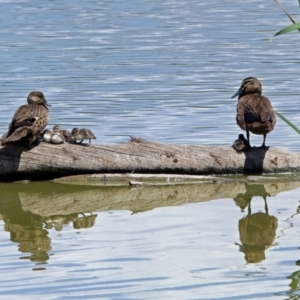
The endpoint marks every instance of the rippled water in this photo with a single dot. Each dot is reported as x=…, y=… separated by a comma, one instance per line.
x=162, y=70
x=64, y=241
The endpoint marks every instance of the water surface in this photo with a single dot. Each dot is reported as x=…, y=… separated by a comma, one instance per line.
x=205, y=241
x=164, y=71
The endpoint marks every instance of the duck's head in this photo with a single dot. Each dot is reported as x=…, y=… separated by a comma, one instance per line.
x=56, y=128
x=250, y=85
x=75, y=131
x=37, y=97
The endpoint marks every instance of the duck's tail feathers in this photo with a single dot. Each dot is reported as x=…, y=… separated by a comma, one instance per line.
x=15, y=136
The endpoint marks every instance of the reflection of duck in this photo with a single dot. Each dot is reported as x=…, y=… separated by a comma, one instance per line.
x=26, y=229
x=258, y=230
x=28, y=121
x=84, y=222
x=82, y=134
x=241, y=143
x=58, y=221
x=254, y=112
x=243, y=199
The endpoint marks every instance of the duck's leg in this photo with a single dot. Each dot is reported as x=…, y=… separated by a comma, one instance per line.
x=248, y=138
x=263, y=144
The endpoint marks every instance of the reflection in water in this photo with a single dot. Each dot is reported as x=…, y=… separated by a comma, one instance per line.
x=26, y=229
x=58, y=221
x=31, y=210
x=84, y=222
x=29, y=230
x=295, y=284
x=258, y=230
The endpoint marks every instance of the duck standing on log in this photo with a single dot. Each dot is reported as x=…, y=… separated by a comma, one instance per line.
x=254, y=112
x=28, y=121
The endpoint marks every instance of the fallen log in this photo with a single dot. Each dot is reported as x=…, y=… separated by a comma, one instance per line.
x=48, y=161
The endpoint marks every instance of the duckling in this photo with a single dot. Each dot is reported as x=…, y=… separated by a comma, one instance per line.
x=57, y=138
x=82, y=134
x=56, y=129
x=68, y=137
x=52, y=137
x=241, y=143
x=28, y=121
x=46, y=135
x=254, y=111
x=88, y=134
x=65, y=133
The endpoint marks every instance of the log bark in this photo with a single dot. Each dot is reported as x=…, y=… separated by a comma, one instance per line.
x=48, y=161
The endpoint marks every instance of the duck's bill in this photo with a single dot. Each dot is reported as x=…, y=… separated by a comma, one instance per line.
x=47, y=104
x=237, y=93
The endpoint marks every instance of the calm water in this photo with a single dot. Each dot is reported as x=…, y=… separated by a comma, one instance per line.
x=151, y=243
x=164, y=71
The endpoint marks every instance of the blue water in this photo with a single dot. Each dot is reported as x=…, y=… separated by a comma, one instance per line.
x=164, y=71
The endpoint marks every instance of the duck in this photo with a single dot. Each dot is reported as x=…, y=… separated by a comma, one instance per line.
x=28, y=121
x=241, y=143
x=254, y=111
x=82, y=134
x=65, y=133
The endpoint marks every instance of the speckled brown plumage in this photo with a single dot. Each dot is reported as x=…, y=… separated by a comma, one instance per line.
x=254, y=112
x=28, y=121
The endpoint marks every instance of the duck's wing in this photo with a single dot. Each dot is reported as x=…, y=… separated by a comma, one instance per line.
x=27, y=120
x=91, y=134
x=266, y=114
x=25, y=115
x=255, y=108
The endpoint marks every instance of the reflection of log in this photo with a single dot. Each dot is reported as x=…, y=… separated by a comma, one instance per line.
x=64, y=199
x=50, y=161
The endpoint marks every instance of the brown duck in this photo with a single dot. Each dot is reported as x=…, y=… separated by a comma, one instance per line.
x=254, y=111
x=28, y=121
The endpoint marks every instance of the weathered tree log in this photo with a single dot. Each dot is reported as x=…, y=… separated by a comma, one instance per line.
x=47, y=161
